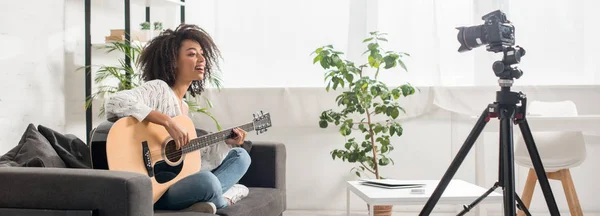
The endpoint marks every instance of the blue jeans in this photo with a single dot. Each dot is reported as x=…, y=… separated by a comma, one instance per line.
x=206, y=186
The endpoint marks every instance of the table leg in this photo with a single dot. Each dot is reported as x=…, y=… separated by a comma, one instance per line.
x=371, y=210
x=347, y=201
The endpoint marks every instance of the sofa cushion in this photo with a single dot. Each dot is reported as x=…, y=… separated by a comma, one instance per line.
x=33, y=150
x=260, y=201
x=73, y=151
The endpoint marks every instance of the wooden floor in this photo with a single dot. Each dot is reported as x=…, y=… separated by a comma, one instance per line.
x=343, y=213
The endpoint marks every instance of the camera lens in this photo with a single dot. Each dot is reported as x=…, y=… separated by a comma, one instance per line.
x=470, y=37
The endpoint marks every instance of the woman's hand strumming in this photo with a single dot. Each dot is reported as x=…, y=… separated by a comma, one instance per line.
x=178, y=133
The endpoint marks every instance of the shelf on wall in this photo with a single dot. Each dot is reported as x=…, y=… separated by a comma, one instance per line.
x=159, y=3
x=99, y=45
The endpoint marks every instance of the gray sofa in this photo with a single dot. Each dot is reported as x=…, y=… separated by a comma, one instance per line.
x=50, y=191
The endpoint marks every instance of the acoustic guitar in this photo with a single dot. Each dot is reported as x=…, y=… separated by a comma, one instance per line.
x=147, y=148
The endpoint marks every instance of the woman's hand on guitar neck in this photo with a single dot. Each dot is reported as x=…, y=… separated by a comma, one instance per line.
x=178, y=133
x=240, y=136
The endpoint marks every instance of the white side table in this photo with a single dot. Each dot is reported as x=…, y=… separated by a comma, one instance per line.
x=458, y=192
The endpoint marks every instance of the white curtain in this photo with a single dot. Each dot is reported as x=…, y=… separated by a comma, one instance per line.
x=267, y=43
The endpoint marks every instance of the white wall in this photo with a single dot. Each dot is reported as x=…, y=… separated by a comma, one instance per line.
x=32, y=58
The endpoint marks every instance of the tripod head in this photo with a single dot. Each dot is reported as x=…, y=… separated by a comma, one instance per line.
x=504, y=69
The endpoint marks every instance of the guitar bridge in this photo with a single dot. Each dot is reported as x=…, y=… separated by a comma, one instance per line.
x=147, y=158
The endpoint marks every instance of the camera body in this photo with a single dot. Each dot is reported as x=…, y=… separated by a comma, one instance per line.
x=496, y=31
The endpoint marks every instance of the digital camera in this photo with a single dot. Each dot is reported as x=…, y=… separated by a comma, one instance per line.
x=496, y=31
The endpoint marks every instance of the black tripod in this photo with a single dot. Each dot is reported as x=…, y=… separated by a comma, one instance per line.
x=506, y=109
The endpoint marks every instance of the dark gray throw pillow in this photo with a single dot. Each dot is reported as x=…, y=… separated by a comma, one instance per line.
x=33, y=150
x=73, y=151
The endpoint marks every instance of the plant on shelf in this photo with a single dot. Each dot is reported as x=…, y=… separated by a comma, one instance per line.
x=145, y=25
x=127, y=77
x=364, y=99
x=158, y=26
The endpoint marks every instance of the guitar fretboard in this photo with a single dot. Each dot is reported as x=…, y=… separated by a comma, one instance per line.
x=213, y=138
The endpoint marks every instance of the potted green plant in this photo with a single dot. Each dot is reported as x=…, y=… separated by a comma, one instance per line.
x=158, y=26
x=364, y=98
x=144, y=33
x=127, y=77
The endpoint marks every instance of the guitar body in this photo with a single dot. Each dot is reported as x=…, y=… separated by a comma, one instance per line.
x=147, y=148
x=125, y=151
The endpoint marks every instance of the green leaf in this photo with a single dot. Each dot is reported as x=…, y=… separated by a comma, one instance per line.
x=362, y=128
x=208, y=102
x=357, y=173
x=402, y=64
x=384, y=161
x=407, y=90
x=384, y=149
x=392, y=130
x=372, y=61
x=396, y=93
x=317, y=58
x=368, y=39
x=378, y=129
x=348, y=145
x=373, y=47
x=401, y=108
x=325, y=62
x=390, y=62
x=364, y=85
x=395, y=113
x=335, y=60
x=318, y=51
x=352, y=158
x=323, y=124
x=399, y=130
x=368, y=149
x=349, y=77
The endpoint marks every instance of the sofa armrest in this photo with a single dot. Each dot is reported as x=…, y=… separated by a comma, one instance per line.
x=267, y=168
x=106, y=192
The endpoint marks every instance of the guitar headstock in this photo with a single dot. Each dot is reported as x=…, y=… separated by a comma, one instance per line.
x=261, y=121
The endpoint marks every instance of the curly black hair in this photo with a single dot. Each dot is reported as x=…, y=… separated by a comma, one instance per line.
x=159, y=57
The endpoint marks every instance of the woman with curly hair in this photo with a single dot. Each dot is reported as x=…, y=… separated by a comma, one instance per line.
x=174, y=63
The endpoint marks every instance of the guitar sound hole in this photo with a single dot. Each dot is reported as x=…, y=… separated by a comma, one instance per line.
x=171, y=152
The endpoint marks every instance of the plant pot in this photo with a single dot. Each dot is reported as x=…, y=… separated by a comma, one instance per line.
x=381, y=210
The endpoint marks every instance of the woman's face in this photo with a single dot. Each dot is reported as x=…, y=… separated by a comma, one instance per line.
x=190, y=61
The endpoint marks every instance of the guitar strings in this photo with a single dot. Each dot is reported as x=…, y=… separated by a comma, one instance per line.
x=200, y=144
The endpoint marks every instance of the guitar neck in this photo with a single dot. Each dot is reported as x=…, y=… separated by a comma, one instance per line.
x=213, y=138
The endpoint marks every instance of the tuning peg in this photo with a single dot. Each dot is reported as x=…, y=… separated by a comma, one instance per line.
x=261, y=113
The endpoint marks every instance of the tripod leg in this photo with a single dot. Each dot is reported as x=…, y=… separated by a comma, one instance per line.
x=468, y=208
x=460, y=156
x=522, y=205
x=506, y=140
x=538, y=167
